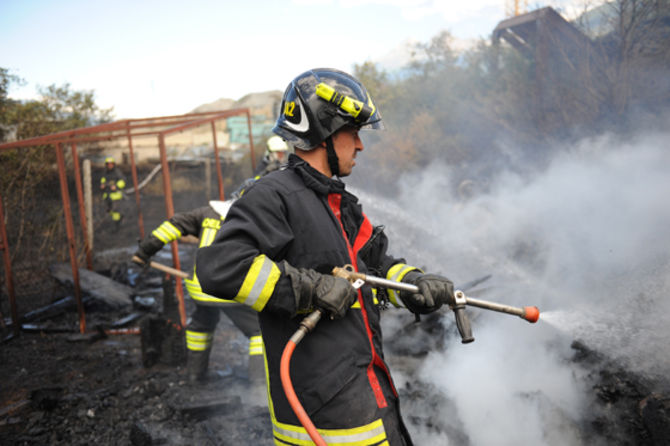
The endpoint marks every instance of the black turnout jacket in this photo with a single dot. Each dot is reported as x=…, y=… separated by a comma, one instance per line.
x=302, y=217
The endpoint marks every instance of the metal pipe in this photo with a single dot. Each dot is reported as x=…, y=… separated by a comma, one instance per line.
x=251, y=143
x=69, y=227
x=531, y=314
x=169, y=210
x=217, y=161
x=133, y=169
x=82, y=210
x=159, y=266
x=4, y=245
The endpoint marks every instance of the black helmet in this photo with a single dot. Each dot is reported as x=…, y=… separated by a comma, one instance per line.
x=321, y=101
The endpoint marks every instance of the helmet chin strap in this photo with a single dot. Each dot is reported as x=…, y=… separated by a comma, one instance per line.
x=333, y=162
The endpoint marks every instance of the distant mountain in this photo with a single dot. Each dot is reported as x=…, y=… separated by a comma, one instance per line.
x=263, y=103
x=219, y=104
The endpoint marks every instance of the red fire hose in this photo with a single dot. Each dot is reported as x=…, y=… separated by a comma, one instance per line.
x=531, y=314
x=306, y=326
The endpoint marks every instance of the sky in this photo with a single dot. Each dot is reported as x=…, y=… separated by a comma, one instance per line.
x=155, y=58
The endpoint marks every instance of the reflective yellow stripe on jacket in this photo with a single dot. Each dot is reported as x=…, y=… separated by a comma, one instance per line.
x=210, y=226
x=166, y=232
x=207, y=236
x=195, y=291
x=259, y=283
x=368, y=435
x=396, y=273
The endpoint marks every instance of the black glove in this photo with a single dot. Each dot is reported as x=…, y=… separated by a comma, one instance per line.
x=147, y=248
x=332, y=294
x=141, y=257
x=434, y=291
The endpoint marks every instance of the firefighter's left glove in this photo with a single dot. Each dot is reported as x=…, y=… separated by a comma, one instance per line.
x=434, y=291
x=141, y=257
x=147, y=248
x=311, y=289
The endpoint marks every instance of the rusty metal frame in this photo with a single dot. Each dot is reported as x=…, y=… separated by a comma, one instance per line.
x=157, y=126
x=4, y=246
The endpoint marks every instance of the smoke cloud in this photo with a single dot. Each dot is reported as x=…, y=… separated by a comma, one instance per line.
x=586, y=239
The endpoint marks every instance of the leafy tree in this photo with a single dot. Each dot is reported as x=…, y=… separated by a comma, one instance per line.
x=58, y=109
x=6, y=104
x=493, y=105
x=28, y=175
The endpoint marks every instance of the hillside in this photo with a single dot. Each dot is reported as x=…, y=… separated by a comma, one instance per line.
x=262, y=103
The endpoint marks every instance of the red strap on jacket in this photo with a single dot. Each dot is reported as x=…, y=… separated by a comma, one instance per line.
x=364, y=234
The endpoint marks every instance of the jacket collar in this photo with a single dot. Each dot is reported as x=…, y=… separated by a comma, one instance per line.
x=314, y=179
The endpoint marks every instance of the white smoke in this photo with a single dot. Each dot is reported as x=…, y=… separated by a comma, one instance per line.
x=587, y=240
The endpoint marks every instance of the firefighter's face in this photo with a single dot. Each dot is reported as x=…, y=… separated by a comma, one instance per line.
x=347, y=144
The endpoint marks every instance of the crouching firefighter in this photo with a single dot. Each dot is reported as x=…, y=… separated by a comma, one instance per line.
x=204, y=222
x=275, y=253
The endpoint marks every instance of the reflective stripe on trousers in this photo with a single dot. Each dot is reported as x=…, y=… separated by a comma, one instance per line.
x=198, y=341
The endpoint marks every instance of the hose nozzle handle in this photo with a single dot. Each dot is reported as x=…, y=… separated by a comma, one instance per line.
x=462, y=321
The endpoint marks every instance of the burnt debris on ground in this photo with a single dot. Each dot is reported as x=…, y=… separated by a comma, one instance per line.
x=125, y=382
x=109, y=387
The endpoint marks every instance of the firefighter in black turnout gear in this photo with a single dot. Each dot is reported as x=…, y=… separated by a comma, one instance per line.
x=112, y=184
x=274, y=159
x=203, y=223
x=275, y=253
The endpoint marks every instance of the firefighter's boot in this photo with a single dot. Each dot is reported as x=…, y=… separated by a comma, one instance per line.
x=197, y=364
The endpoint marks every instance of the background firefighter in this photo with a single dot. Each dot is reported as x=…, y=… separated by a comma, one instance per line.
x=275, y=252
x=274, y=158
x=112, y=184
x=203, y=223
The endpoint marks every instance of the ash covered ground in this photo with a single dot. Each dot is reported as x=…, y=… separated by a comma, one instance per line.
x=65, y=388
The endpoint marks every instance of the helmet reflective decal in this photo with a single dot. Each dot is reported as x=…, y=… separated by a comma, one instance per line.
x=291, y=109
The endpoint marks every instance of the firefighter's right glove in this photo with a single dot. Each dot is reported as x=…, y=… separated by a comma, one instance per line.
x=434, y=291
x=311, y=289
